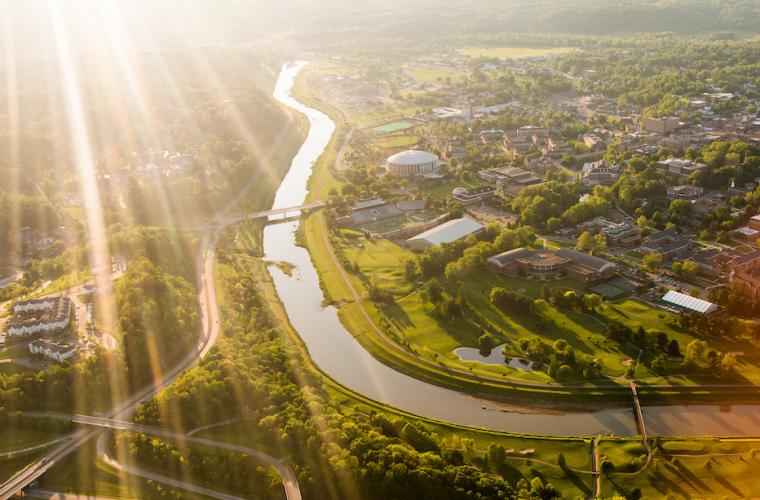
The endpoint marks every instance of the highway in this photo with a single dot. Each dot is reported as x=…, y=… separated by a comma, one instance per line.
x=289, y=481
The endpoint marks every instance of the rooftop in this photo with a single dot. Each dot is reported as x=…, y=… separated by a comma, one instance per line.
x=688, y=302
x=447, y=232
x=412, y=157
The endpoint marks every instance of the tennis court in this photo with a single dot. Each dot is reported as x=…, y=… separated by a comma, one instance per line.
x=614, y=289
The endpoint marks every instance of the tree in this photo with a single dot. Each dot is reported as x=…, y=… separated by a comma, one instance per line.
x=607, y=467
x=584, y=243
x=593, y=301
x=600, y=241
x=674, y=351
x=653, y=260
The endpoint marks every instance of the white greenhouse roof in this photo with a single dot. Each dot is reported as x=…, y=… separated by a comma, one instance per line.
x=689, y=302
x=447, y=232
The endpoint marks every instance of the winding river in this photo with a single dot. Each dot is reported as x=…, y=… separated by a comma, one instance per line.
x=339, y=355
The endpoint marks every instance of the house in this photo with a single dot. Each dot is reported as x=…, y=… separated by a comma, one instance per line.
x=447, y=232
x=684, y=192
x=618, y=234
x=533, y=132
x=491, y=135
x=599, y=173
x=668, y=243
x=56, y=351
x=547, y=264
x=689, y=303
x=679, y=167
x=594, y=142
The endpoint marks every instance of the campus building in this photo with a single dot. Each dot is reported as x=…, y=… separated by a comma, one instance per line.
x=661, y=125
x=669, y=243
x=412, y=162
x=47, y=315
x=547, y=264
x=679, y=167
x=688, y=303
x=725, y=261
x=618, y=234
x=447, y=232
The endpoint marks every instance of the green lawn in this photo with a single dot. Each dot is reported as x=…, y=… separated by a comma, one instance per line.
x=513, y=52
x=694, y=473
x=395, y=142
x=433, y=74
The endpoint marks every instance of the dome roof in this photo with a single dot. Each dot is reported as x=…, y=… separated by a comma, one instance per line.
x=412, y=157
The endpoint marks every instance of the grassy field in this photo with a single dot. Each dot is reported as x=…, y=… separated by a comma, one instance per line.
x=433, y=74
x=513, y=52
x=700, y=468
x=395, y=142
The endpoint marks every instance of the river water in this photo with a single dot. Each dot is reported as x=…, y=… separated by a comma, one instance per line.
x=339, y=355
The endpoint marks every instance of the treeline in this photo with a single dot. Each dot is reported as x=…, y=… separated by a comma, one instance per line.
x=255, y=373
x=158, y=320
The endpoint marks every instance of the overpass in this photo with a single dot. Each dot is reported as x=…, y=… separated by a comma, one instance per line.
x=289, y=481
x=285, y=211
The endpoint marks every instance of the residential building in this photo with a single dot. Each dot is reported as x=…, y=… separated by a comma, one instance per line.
x=447, y=232
x=517, y=144
x=547, y=264
x=56, y=351
x=594, y=142
x=668, y=243
x=540, y=165
x=661, y=125
x=684, y=192
x=555, y=148
x=47, y=315
x=533, y=132
x=599, y=173
x=491, y=135
x=618, y=234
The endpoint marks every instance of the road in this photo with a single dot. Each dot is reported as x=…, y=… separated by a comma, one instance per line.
x=210, y=333
x=289, y=481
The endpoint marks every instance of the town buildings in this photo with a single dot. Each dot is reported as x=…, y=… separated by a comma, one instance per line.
x=724, y=262
x=684, y=192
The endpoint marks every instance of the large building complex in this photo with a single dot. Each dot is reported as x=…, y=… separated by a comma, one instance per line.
x=661, y=125
x=47, y=315
x=679, y=167
x=599, y=173
x=412, y=162
x=547, y=264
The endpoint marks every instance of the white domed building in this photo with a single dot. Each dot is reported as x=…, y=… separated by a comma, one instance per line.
x=412, y=162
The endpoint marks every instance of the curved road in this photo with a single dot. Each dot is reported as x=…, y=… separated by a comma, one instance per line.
x=289, y=481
